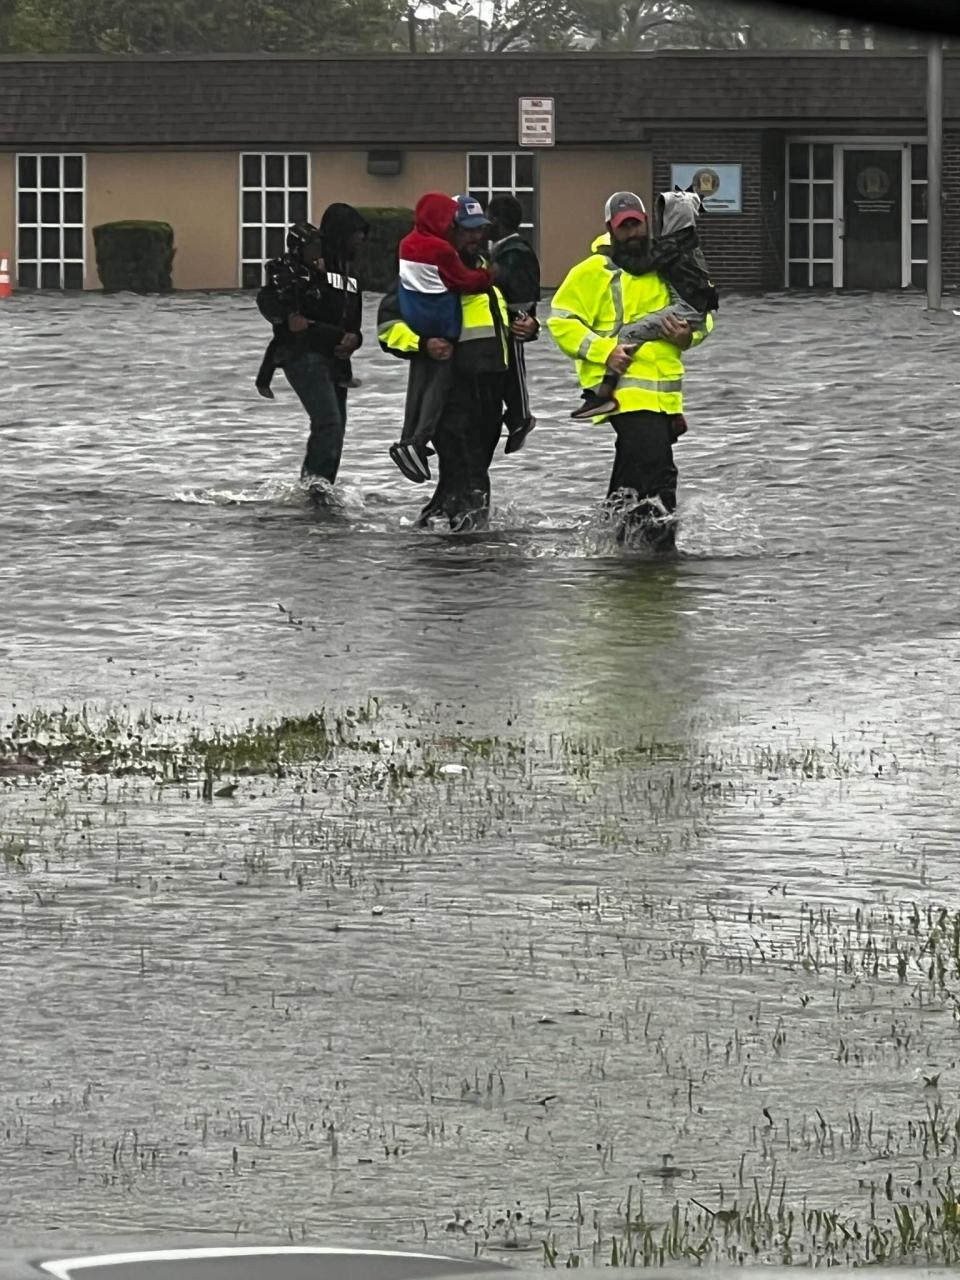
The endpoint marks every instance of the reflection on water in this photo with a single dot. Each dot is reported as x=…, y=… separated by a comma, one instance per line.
x=683, y=876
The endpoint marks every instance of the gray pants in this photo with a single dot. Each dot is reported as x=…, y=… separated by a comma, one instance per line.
x=429, y=383
x=649, y=328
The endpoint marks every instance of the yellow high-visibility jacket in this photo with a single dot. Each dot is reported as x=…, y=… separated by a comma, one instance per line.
x=589, y=309
x=472, y=353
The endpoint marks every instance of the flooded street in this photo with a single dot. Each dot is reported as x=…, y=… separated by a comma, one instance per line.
x=613, y=888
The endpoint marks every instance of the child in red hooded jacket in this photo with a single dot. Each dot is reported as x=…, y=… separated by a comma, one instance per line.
x=432, y=280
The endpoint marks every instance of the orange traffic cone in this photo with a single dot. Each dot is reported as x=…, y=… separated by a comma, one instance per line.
x=6, y=288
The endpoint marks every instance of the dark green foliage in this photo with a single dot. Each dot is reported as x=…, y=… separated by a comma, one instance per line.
x=377, y=259
x=136, y=256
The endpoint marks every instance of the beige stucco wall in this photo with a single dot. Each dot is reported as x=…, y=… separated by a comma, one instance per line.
x=574, y=186
x=342, y=175
x=196, y=192
x=8, y=210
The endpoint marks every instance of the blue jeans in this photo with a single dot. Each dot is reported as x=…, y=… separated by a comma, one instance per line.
x=312, y=378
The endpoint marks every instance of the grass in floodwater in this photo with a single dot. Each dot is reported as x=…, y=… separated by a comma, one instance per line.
x=357, y=971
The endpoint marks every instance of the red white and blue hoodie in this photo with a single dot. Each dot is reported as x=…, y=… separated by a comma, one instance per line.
x=432, y=275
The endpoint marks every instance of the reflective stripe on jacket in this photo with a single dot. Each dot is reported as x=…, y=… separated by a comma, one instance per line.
x=397, y=338
x=589, y=309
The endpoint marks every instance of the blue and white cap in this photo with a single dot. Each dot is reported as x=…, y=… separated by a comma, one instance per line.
x=470, y=213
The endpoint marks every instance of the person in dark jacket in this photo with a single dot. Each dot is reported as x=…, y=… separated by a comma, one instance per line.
x=518, y=278
x=316, y=316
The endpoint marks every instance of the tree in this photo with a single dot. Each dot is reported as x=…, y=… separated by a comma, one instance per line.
x=197, y=26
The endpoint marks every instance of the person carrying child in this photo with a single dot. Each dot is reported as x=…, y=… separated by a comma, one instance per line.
x=314, y=304
x=677, y=258
x=433, y=279
x=615, y=288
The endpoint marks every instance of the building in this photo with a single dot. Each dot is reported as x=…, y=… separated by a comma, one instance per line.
x=816, y=162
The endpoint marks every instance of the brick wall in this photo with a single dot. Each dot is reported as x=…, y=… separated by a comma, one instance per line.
x=744, y=250
x=951, y=210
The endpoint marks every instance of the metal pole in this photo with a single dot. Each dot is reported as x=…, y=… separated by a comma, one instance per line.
x=934, y=173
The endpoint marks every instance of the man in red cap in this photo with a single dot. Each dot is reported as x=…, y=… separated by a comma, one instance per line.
x=615, y=287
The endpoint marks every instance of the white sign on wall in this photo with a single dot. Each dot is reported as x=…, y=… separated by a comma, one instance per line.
x=536, y=123
x=719, y=186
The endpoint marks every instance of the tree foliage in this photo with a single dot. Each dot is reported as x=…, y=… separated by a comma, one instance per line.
x=198, y=26
x=445, y=26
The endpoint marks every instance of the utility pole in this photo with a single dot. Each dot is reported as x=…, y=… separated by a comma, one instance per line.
x=934, y=173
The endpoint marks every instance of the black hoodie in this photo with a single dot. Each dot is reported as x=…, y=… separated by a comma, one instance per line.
x=329, y=299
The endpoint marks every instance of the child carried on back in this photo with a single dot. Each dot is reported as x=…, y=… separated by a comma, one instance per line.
x=677, y=258
x=433, y=279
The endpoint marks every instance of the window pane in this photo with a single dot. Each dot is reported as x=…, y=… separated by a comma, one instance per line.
x=50, y=207
x=918, y=200
x=27, y=171
x=823, y=200
x=823, y=240
x=275, y=171
x=524, y=171
x=252, y=208
x=799, y=275
x=28, y=206
x=28, y=242
x=482, y=196
x=799, y=240
x=252, y=276
x=276, y=237
x=297, y=171
x=297, y=206
x=823, y=161
x=823, y=275
x=275, y=211
x=526, y=204
x=50, y=242
x=918, y=240
x=918, y=161
x=50, y=275
x=502, y=171
x=799, y=200
x=251, y=246
x=918, y=275
x=49, y=171
x=251, y=171
x=73, y=171
x=73, y=275
x=72, y=242
x=27, y=275
x=799, y=160
x=73, y=206
x=477, y=175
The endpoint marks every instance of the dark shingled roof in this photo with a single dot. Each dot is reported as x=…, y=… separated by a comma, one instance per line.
x=408, y=101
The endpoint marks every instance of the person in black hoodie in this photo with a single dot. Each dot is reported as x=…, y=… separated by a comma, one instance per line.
x=314, y=305
x=518, y=279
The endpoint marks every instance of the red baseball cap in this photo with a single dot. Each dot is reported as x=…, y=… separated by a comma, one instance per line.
x=622, y=206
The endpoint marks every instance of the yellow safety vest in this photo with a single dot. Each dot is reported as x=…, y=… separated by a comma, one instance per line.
x=589, y=309
x=396, y=335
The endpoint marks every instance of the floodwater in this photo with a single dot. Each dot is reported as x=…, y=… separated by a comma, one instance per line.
x=663, y=928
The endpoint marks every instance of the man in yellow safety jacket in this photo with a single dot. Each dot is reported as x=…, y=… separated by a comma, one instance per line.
x=615, y=287
x=472, y=421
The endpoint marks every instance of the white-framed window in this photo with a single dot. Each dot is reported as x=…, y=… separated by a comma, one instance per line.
x=918, y=215
x=50, y=221
x=810, y=215
x=274, y=192
x=496, y=173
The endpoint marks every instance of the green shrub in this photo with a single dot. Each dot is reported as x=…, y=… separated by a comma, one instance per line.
x=137, y=256
x=377, y=260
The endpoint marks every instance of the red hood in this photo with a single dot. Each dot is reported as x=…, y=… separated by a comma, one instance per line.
x=434, y=213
